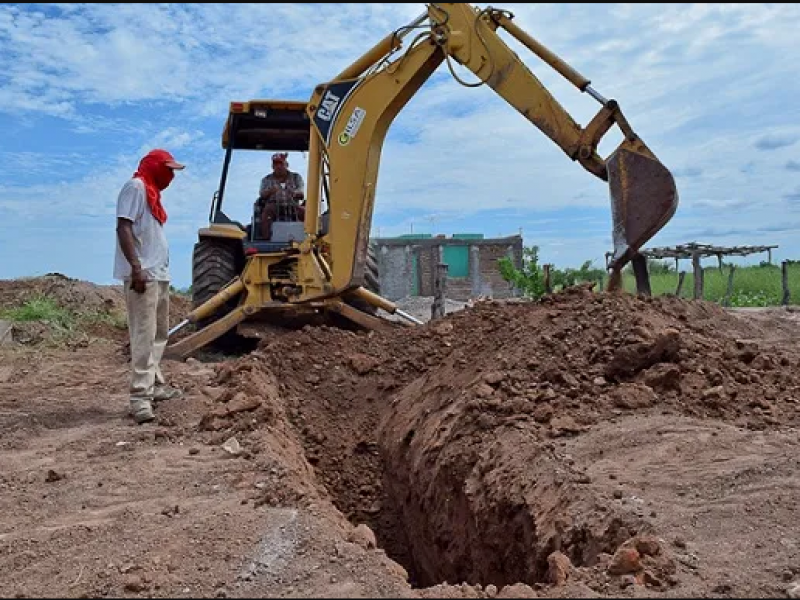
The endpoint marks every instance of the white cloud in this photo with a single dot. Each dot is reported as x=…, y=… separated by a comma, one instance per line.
x=709, y=87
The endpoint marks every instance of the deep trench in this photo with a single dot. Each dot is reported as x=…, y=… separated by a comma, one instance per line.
x=503, y=546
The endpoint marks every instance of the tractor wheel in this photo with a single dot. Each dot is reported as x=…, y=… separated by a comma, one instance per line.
x=372, y=282
x=214, y=265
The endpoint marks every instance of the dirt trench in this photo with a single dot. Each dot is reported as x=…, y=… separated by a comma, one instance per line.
x=450, y=441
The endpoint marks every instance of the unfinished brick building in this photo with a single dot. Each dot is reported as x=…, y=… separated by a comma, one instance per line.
x=407, y=265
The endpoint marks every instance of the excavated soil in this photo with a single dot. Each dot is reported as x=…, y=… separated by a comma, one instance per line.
x=449, y=441
x=589, y=445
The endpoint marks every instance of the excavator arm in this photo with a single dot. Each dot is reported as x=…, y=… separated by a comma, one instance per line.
x=351, y=115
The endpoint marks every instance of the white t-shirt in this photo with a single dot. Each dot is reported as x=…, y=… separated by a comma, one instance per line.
x=151, y=242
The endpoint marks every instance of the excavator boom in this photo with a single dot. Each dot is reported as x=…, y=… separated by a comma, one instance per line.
x=352, y=114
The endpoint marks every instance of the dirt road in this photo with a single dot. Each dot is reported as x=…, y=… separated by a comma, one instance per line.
x=586, y=446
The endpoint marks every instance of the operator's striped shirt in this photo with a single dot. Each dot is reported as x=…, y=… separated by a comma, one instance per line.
x=294, y=183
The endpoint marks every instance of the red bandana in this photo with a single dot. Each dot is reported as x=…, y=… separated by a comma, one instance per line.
x=156, y=170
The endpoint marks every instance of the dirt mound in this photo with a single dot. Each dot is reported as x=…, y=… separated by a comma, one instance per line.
x=87, y=309
x=447, y=439
x=71, y=294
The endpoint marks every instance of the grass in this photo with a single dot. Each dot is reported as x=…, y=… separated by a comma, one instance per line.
x=42, y=309
x=755, y=286
x=63, y=322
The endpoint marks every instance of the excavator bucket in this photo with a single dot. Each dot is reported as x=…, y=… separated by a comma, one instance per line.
x=643, y=199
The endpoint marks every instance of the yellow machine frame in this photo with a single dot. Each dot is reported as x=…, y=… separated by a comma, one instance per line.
x=349, y=118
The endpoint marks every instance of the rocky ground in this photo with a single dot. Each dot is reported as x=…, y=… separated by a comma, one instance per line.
x=589, y=445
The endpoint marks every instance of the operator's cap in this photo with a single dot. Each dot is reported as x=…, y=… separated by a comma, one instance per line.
x=280, y=157
x=167, y=159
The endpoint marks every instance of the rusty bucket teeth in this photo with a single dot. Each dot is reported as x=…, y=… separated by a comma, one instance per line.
x=643, y=199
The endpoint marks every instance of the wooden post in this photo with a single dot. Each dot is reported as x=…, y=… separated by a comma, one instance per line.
x=719, y=262
x=769, y=255
x=787, y=295
x=548, y=286
x=681, y=277
x=639, y=264
x=439, y=307
x=677, y=265
x=729, y=291
x=698, y=276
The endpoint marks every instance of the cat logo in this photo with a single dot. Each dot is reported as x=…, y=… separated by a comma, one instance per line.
x=352, y=127
x=328, y=106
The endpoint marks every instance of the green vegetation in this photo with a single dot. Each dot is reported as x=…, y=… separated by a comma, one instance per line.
x=186, y=293
x=753, y=286
x=530, y=280
x=63, y=323
x=42, y=309
x=758, y=285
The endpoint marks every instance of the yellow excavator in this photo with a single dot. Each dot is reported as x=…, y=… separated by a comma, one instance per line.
x=323, y=264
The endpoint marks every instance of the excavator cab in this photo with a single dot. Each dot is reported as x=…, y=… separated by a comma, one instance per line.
x=269, y=126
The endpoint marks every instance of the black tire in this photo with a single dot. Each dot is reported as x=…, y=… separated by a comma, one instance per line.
x=215, y=264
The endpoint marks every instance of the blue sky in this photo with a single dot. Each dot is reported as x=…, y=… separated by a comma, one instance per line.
x=85, y=90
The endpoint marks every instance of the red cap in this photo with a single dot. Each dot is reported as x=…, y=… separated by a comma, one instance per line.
x=166, y=158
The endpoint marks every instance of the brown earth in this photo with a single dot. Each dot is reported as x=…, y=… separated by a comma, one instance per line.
x=589, y=445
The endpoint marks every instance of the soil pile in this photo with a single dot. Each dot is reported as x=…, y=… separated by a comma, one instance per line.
x=446, y=439
x=72, y=294
x=91, y=309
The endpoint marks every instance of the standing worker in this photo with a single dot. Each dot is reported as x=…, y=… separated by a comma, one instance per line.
x=142, y=263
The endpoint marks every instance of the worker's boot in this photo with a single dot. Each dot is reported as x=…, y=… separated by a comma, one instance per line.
x=165, y=392
x=142, y=410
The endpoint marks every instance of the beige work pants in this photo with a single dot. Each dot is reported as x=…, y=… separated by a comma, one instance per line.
x=148, y=326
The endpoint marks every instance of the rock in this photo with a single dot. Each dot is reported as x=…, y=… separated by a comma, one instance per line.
x=559, y=568
x=442, y=328
x=647, y=546
x=714, y=394
x=793, y=591
x=600, y=381
x=483, y=390
x=194, y=451
x=633, y=396
x=134, y=583
x=651, y=580
x=494, y=378
x=241, y=402
x=634, y=358
x=232, y=447
x=52, y=476
x=518, y=590
x=363, y=536
x=363, y=364
x=6, y=333
x=212, y=392
x=626, y=561
x=565, y=425
x=543, y=413
x=663, y=377
x=491, y=590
